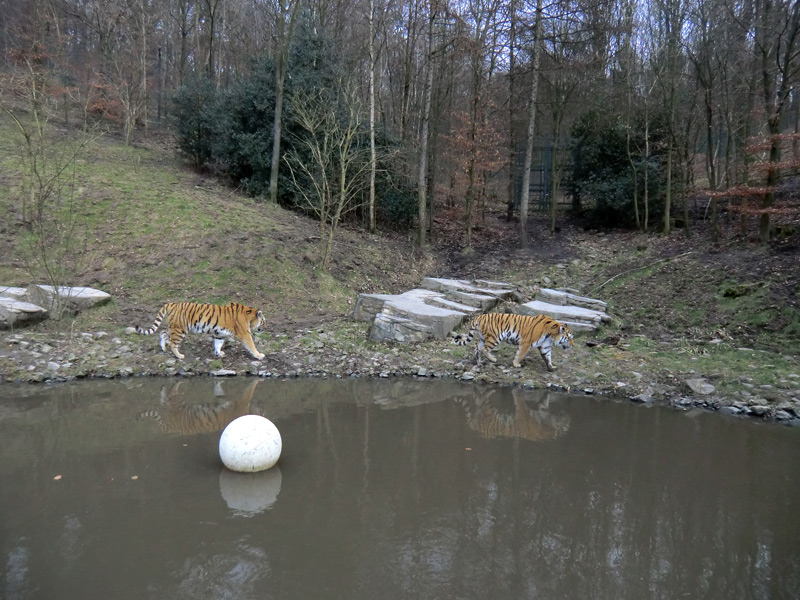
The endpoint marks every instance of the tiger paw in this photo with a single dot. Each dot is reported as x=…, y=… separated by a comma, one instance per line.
x=220, y=354
x=259, y=356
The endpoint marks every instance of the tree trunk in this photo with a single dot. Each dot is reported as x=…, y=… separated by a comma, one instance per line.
x=285, y=31
x=512, y=138
x=423, y=151
x=526, y=172
x=372, y=157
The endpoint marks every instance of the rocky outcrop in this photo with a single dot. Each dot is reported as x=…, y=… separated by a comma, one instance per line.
x=21, y=306
x=433, y=310
x=16, y=313
x=440, y=305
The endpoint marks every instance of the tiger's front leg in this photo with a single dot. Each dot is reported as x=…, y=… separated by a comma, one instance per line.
x=218, y=346
x=547, y=356
x=248, y=342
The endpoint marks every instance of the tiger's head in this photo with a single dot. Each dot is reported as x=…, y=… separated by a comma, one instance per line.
x=255, y=318
x=258, y=323
x=564, y=337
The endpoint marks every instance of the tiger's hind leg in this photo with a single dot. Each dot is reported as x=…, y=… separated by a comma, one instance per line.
x=485, y=347
x=521, y=353
x=175, y=339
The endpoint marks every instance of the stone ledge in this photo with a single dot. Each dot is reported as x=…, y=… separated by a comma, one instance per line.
x=19, y=306
x=441, y=305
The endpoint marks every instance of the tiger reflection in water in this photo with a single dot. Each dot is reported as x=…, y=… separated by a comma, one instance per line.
x=179, y=416
x=492, y=419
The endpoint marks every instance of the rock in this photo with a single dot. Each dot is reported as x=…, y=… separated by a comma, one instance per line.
x=221, y=372
x=645, y=397
x=576, y=317
x=700, y=386
x=388, y=328
x=66, y=301
x=729, y=410
x=14, y=313
x=15, y=293
x=564, y=298
x=250, y=444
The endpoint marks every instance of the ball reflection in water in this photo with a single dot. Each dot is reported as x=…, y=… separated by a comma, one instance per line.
x=248, y=494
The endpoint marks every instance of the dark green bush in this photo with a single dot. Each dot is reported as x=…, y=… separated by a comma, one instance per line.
x=196, y=116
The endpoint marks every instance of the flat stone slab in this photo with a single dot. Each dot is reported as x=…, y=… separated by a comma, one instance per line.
x=73, y=299
x=14, y=313
x=418, y=305
x=18, y=293
x=494, y=289
x=564, y=312
x=388, y=328
x=562, y=298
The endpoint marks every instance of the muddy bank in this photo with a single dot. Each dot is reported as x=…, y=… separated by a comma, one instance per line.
x=341, y=349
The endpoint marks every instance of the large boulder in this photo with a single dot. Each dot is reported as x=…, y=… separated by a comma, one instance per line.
x=388, y=328
x=15, y=313
x=65, y=301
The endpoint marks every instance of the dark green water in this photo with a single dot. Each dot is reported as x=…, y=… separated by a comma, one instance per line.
x=389, y=489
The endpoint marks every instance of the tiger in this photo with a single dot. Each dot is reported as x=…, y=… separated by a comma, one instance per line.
x=220, y=321
x=526, y=331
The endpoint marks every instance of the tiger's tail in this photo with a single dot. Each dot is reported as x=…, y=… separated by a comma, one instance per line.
x=462, y=339
x=156, y=323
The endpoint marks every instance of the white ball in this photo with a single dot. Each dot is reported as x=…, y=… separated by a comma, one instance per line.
x=250, y=443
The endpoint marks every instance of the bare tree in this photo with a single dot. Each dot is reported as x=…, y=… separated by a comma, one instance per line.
x=55, y=246
x=331, y=183
x=531, y=134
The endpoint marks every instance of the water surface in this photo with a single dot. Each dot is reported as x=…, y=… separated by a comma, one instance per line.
x=389, y=489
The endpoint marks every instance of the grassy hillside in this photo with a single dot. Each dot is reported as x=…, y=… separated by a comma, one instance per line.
x=157, y=231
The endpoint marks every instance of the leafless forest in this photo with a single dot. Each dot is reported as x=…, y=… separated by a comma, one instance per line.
x=650, y=114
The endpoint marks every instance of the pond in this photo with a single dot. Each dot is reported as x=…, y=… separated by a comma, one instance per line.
x=389, y=489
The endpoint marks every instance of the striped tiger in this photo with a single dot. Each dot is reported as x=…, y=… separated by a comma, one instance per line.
x=528, y=332
x=188, y=419
x=220, y=321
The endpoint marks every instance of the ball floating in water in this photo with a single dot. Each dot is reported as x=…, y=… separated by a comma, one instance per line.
x=250, y=443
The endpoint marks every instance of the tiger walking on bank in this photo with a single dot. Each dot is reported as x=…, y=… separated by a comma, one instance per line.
x=527, y=332
x=221, y=322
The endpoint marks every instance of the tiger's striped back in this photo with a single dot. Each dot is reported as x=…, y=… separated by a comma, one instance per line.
x=526, y=331
x=221, y=322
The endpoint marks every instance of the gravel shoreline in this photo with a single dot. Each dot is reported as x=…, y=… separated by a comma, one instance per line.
x=37, y=358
